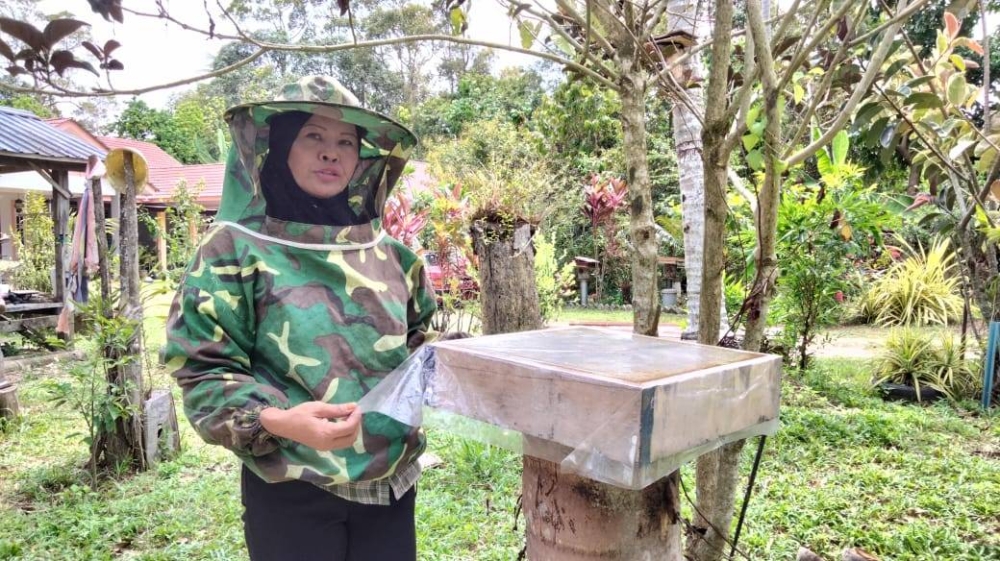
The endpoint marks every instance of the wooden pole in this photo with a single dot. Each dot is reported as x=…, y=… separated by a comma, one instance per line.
x=60, y=219
x=161, y=241
x=125, y=444
x=102, y=241
x=9, y=406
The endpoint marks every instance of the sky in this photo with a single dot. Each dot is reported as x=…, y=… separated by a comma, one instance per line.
x=156, y=51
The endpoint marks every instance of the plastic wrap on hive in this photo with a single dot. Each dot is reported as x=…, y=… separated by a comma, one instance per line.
x=616, y=407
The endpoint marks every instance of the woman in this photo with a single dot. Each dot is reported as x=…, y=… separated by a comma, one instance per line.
x=294, y=307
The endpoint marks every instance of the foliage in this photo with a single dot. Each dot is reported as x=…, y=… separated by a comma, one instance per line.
x=920, y=290
x=823, y=230
x=938, y=362
x=554, y=281
x=402, y=221
x=603, y=197
x=35, y=245
x=160, y=127
x=37, y=53
x=184, y=217
x=510, y=98
x=99, y=403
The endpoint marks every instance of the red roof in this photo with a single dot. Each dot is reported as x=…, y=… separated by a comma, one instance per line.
x=208, y=177
x=154, y=155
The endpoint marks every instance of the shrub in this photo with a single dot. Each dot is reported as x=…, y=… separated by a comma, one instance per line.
x=920, y=290
x=555, y=283
x=35, y=246
x=923, y=360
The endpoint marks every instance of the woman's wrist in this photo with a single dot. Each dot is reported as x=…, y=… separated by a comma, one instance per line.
x=270, y=419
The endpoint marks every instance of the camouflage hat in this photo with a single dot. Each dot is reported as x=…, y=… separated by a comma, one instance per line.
x=324, y=95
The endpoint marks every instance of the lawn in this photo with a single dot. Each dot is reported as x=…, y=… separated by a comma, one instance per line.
x=846, y=469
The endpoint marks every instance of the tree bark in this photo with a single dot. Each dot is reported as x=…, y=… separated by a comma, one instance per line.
x=687, y=127
x=645, y=288
x=124, y=446
x=507, y=274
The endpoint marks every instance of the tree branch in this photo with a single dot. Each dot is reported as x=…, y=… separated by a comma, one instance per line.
x=878, y=57
x=900, y=17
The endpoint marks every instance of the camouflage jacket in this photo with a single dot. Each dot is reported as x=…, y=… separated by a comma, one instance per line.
x=273, y=313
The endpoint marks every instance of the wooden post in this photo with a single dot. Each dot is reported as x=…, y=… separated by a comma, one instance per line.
x=60, y=219
x=161, y=240
x=125, y=446
x=102, y=241
x=116, y=215
x=9, y=407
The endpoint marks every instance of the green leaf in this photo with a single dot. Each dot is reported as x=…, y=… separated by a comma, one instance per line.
x=875, y=132
x=458, y=23
x=957, y=92
x=749, y=141
x=960, y=148
x=866, y=113
x=985, y=161
x=798, y=93
x=752, y=115
x=527, y=34
x=755, y=160
x=959, y=62
x=923, y=100
x=823, y=164
x=757, y=128
x=894, y=68
x=840, y=144
x=942, y=43
x=919, y=81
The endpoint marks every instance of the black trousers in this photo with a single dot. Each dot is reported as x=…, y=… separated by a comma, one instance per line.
x=297, y=521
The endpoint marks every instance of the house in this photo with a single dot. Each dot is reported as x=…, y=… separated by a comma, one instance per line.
x=31, y=149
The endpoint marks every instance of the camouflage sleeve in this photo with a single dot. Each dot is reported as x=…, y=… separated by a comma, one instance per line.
x=421, y=307
x=210, y=334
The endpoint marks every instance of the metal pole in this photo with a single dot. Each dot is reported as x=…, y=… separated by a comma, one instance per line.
x=746, y=496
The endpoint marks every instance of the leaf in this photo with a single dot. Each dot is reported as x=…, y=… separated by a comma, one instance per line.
x=749, y=141
x=886, y=137
x=923, y=100
x=15, y=70
x=871, y=138
x=344, y=6
x=823, y=164
x=757, y=128
x=94, y=50
x=919, y=81
x=846, y=233
x=114, y=64
x=839, y=146
x=960, y=148
x=798, y=93
x=110, y=46
x=894, y=68
x=59, y=29
x=942, y=43
x=951, y=25
x=866, y=113
x=957, y=92
x=527, y=35
x=958, y=62
x=458, y=21
x=985, y=162
x=995, y=190
x=24, y=32
x=63, y=60
x=6, y=51
x=752, y=114
x=755, y=160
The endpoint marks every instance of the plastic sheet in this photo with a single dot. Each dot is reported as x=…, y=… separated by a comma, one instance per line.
x=612, y=406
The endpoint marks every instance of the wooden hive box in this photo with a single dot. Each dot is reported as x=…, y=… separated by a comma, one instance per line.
x=616, y=407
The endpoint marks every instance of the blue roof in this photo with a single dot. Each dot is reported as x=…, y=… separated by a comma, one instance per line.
x=24, y=135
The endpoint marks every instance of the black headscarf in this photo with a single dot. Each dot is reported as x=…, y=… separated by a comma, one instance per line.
x=285, y=199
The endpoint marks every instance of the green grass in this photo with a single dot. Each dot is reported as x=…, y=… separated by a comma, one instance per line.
x=845, y=470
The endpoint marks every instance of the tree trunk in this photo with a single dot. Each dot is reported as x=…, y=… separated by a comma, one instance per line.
x=124, y=446
x=645, y=289
x=575, y=518
x=9, y=406
x=685, y=16
x=507, y=274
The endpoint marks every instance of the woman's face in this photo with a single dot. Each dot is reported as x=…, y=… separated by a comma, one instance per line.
x=323, y=156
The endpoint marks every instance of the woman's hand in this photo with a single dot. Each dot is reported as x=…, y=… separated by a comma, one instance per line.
x=318, y=425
